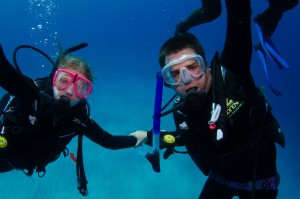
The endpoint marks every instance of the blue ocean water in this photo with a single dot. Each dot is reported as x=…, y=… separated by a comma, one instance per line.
x=124, y=38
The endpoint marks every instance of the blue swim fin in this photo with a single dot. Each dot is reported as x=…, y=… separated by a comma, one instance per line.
x=275, y=56
x=262, y=55
x=266, y=48
x=270, y=49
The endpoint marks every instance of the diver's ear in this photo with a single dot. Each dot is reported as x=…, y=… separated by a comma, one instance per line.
x=208, y=71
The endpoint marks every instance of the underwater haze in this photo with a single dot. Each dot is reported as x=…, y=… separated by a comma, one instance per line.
x=124, y=39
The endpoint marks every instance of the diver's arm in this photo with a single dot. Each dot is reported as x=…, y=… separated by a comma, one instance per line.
x=15, y=83
x=95, y=133
x=237, y=52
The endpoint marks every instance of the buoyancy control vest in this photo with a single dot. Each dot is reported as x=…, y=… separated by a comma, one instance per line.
x=242, y=102
x=31, y=139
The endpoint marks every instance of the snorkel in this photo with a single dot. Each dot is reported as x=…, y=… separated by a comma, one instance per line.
x=153, y=157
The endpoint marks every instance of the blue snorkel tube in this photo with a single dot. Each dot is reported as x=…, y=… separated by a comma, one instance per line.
x=153, y=157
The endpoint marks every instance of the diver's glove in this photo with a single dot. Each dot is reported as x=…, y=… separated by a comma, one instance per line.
x=181, y=27
x=141, y=137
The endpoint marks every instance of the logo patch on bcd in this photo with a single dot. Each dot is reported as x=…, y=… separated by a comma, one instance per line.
x=3, y=142
x=232, y=106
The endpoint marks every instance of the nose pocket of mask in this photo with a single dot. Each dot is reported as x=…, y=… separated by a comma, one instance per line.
x=185, y=75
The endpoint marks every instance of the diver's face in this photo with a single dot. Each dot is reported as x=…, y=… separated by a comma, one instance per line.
x=69, y=91
x=202, y=83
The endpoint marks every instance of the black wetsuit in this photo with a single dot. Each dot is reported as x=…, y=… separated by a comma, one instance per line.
x=244, y=152
x=30, y=139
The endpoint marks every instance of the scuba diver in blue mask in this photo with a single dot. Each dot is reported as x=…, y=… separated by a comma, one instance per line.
x=39, y=118
x=221, y=117
x=265, y=23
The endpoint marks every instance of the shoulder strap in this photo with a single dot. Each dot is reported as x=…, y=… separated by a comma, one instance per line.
x=218, y=81
x=219, y=94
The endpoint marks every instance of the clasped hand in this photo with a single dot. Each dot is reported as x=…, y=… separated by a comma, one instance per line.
x=141, y=137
